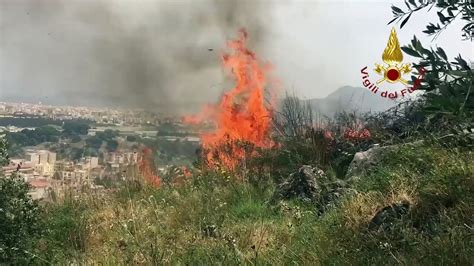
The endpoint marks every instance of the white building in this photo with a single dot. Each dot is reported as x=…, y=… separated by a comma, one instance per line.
x=40, y=188
x=43, y=161
x=123, y=158
x=33, y=158
x=90, y=162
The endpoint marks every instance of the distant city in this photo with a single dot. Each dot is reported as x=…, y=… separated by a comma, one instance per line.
x=94, y=114
x=46, y=175
x=59, y=149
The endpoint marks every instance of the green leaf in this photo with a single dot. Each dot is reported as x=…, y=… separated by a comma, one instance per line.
x=418, y=45
x=426, y=52
x=442, y=4
x=410, y=51
x=450, y=11
x=413, y=41
x=441, y=53
x=458, y=73
x=467, y=26
x=392, y=20
x=442, y=18
x=405, y=21
x=408, y=6
x=462, y=62
x=396, y=10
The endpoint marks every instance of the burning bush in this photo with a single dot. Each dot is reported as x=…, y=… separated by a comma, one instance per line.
x=147, y=168
x=356, y=135
x=242, y=119
x=244, y=123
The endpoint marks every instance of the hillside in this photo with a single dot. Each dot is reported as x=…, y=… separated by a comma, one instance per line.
x=211, y=219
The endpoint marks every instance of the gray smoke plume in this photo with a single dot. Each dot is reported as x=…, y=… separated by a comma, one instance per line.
x=159, y=55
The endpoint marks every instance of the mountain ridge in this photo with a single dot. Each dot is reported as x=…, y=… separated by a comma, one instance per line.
x=349, y=99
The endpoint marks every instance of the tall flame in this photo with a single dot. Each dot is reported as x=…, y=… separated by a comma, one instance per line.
x=392, y=53
x=242, y=118
x=147, y=170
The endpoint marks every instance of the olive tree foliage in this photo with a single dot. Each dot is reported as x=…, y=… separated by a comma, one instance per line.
x=19, y=217
x=447, y=83
x=3, y=151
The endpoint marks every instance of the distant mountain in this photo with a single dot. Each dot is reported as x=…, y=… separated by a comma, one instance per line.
x=350, y=99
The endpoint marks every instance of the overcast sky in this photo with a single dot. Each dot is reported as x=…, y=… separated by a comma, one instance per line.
x=328, y=42
x=155, y=53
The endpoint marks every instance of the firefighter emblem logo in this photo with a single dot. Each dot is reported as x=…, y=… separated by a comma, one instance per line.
x=392, y=56
x=392, y=71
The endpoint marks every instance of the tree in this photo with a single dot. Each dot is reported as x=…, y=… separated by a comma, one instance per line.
x=94, y=142
x=19, y=217
x=108, y=134
x=28, y=137
x=77, y=153
x=71, y=128
x=75, y=138
x=132, y=138
x=447, y=84
x=112, y=145
x=3, y=152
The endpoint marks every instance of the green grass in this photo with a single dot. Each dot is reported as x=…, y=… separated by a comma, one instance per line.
x=143, y=225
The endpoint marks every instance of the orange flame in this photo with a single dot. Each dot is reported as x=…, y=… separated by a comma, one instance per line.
x=181, y=176
x=186, y=172
x=242, y=117
x=147, y=170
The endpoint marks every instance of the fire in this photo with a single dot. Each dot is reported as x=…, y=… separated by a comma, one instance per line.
x=181, y=175
x=357, y=135
x=146, y=168
x=242, y=119
x=186, y=172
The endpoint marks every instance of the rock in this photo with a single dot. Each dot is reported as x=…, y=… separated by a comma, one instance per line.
x=310, y=184
x=365, y=161
x=385, y=217
x=304, y=184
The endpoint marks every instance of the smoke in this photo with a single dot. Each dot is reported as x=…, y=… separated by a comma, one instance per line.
x=159, y=55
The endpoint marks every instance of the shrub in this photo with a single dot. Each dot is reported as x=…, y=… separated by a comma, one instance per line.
x=65, y=234
x=19, y=221
x=19, y=216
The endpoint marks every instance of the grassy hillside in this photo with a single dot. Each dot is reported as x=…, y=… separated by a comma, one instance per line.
x=214, y=219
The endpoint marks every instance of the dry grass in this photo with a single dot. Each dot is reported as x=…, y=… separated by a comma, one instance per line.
x=210, y=221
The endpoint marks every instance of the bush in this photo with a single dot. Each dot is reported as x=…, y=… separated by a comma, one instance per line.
x=19, y=221
x=19, y=216
x=66, y=230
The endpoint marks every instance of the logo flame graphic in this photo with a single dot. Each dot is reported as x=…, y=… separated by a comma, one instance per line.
x=392, y=53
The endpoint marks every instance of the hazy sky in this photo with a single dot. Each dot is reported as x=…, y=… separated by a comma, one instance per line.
x=155, y=53
x=327, y=42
